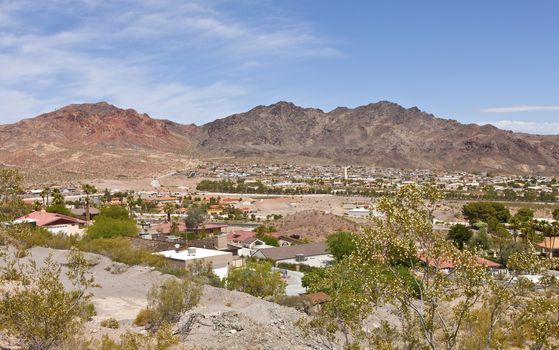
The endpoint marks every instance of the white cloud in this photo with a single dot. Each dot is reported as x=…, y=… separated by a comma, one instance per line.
x=543, y=128
x=519, y=109
x=138, y=54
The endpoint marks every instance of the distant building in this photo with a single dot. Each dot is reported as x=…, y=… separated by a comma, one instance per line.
x=311, y=254
x=220, y=260
x=359, y=213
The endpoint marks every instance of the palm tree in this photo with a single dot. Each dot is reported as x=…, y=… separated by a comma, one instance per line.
x=169, y=208
x=46, y=190
x=130, y=202
x=88, y=190
x=57, y=197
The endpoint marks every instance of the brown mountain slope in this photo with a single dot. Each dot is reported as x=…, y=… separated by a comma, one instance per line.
x=101, y=140
x=94, y=140
x=383, y=134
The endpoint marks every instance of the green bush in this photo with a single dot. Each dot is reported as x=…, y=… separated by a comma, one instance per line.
x=114, y=212
x=168, y=301
x=108, y=227
x=120, y=249
x=256, y=278
x=59, y=209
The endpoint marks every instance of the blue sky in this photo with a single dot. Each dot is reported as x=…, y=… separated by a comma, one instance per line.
x=193, y=61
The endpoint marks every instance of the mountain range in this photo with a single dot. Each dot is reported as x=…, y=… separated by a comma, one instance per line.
x=101, y=140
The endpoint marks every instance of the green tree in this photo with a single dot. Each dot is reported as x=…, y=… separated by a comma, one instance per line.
x=195, y=217
x=256, y=278
x=11, y=205
x=483, y=211
x=114, y=212
x=460, y=235
x=169, y=208
x=40, y=311
x=88, y=190
x=341, y=244
x=59, y=208
x=524, y=214
x=107, y=227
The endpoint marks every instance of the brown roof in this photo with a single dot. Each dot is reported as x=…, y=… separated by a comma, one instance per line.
x=282, y=253
x=550, y=243
x=317, y=298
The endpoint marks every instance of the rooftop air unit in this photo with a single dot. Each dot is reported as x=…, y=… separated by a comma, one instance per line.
x=191, y=251
x=299, y=257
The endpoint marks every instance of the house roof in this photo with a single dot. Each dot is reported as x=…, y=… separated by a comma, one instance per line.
x=44, y=218
x=283, y=253
x=447, y=263
x=239, y=236
x=251, y=240
x=549, y=243
x=317, y=298
x=166, y=227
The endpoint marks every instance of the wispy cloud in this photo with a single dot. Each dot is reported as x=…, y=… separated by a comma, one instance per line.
x=543, y=128
x=170, y=58
x=520, y=109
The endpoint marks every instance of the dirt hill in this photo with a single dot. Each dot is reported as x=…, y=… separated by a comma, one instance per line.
x=314, y=225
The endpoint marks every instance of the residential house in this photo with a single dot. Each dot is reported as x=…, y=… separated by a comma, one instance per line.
x=311, y=254
x=220, y=260
x=53, y=222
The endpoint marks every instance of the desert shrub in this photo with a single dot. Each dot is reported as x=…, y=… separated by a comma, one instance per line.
x=256, y=278
x=168, y=301
x=299, y=302
x=26, y=236
x=163, y=339
x=42, y=313
x=294, y=267
x=144, y=317
x=110, y=323
x=121, y=250
x=202, y=272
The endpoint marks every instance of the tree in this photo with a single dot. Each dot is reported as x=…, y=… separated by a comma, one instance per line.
x=88, y=190
x=59, y=208
x=556, y=214
x=524, y=214
x=256, y=278
x=57, y=197
x=40, y=311
x=11, y=205
x=45, y=195
x=460, y=235
x=169, y=208
x=195, y=217
x=445, y=289
x=107, y=227
x=483, y=211
x=130, y=202
x=114, y=212
x=341, y=244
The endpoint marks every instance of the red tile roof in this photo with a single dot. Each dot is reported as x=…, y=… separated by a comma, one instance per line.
x=45, y=219
x=239, y=236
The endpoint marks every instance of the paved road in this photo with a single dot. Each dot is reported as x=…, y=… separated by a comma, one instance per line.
x=294, y=283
